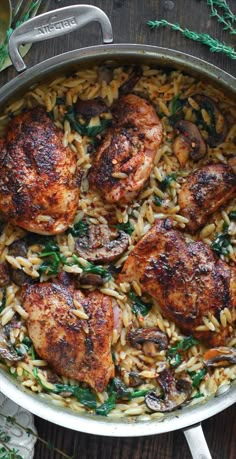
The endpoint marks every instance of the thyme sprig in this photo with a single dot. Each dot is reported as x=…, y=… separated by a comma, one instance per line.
x=12, y=453
x=226, y=17
x=227, y=12
x=213, y=44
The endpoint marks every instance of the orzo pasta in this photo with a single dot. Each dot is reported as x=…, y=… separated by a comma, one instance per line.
x=182, y=103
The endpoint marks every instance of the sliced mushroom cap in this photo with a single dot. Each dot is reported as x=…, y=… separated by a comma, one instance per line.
x=6, y=349
x=18, y=248
x=90, y=279
x=5, y=278
x=19, y=277
x=101, y=245
x=90, y=108
x=219, y=125
x=219, y=357
x=151, y=339
x=129, y=84
x=176, y=393
x=134, y=379
x=189, y=142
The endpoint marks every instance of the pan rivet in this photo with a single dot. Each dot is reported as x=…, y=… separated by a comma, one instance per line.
x=222, y=389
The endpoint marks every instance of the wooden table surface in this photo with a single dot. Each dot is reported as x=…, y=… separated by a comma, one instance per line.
x=129, y=19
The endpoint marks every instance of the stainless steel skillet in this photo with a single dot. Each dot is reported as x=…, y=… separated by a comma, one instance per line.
x=57, y=23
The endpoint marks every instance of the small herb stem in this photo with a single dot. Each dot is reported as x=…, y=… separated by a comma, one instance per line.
x=31, y=432
x=226, y=19
x=213, y=44
x=226, y=9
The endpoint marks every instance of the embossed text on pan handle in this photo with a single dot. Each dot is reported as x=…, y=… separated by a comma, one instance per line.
x=56, y=23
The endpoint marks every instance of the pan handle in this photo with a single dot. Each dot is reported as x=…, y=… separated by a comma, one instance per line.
x=53, y=24
x=197, y=442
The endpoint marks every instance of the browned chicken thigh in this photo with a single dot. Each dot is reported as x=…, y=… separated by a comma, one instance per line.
x=38, y=185
x=186, y=279
x=205, y=190
x=73, y=347
x=125, y=158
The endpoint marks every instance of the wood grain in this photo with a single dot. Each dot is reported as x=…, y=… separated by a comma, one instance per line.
x=129, y=19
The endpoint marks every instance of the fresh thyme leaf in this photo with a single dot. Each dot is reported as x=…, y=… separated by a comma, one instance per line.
x=213, y=44
x=197, y=377
x=127, y=227
x=79, y=229
x=4, y=436
x=225, y=17
x=167, y=181
x=139, y=307
x=221, y=243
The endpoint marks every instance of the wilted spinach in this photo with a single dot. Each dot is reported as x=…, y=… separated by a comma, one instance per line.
x=139, y=307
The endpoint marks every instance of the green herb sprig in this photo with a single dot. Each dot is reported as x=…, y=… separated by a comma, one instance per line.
x=224, y=16
x=7, y=453
x=213, y=44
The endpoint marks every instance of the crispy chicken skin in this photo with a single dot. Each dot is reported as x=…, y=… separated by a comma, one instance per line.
x=205, y=190
x=73, y=347
x=38, y=189
x=127, y=148
x=186, y=279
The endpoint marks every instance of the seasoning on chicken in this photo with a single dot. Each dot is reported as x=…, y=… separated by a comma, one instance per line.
x=186, y=279
x=205, y=191
x=38, y=183
x=125, y=158
x=73, y=347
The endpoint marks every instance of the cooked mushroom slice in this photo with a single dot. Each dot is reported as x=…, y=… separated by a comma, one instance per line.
x=102, y=245
x=189, y=142
x=151, y=340
x=176, y=393
x=18, y=248
x=4, y=274
x=90, y=108
x=134, y=379
x=129, y=84
x=19, y=277
x=6, y=349
x=89, y=279
x=218, y=127
x=220, y=357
